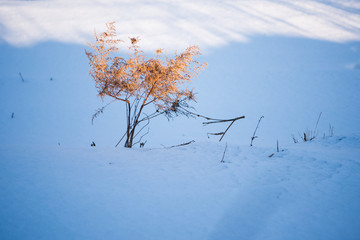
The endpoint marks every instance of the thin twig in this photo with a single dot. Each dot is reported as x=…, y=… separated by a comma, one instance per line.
x=216, y=134
x=222, y=160
x=294, y=138
x=253, y=137
x=227, y=130
x=120, y=139
x=22, y=79
x=223, y=120
x=150, y=102
x=147, y=132
x=214, y=120
x=153, y=115
x=134, y=106
x=147, y=123
x=100, y=111
x=317, y=123
x=183, y=144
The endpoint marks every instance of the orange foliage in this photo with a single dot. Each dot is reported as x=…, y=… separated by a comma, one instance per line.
x=157, y=79
x=139, y=81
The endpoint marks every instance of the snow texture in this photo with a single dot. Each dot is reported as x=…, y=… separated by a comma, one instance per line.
x=306, y=191
x=177, y=24
x=54, y=185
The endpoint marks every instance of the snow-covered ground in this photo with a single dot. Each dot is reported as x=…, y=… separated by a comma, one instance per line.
x=306, y=191
x=285, y=60
x=53, y=185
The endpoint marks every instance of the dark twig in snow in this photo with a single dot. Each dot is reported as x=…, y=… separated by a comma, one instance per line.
x=222, y=160
x=22, y=79
x=183, y=144
x=257, y=126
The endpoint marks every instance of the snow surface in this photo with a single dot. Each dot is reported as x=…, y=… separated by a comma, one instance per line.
x=306, y=191
x=287, y=80
x=53, y=185
x=178, y=24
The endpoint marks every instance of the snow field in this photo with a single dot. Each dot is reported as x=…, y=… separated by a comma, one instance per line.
x=307, y=191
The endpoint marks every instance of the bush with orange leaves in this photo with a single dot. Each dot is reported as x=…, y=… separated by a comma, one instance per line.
x=142, y=82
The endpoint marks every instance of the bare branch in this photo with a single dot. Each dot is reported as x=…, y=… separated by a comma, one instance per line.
x=315, y=133
x=228, y=129
x=214, y=120
x=150, y=102
x=223, y=120
x=147, y=132
x=100, y=111
x=148, y=122
x=253, y=137
x=180, y=145
x=216, y=134
x=124, y=100
x=153, y=115
x=120, y=139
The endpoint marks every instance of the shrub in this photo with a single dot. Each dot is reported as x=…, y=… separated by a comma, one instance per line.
x=141, y=82
x=308, y=135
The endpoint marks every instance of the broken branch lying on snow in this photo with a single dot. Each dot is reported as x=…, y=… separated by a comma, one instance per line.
x=180, y=145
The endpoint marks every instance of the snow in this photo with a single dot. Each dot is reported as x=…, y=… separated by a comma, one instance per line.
x=288, y=81
x=54, y=185
x=306, y=191
x=178, y=24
